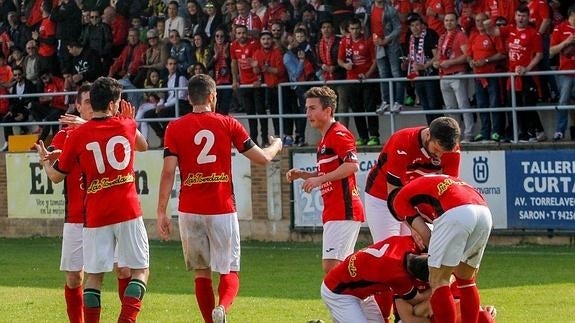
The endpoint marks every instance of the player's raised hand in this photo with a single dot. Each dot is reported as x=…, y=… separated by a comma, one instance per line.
x=127, y=109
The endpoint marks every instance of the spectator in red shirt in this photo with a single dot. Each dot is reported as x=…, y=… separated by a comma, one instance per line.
x=46, y=38
x=563, y=44
x=357, y=56
x=268, y=61
x=525, y=51
x=484, y=52
x=435, y=13
x=252, y=95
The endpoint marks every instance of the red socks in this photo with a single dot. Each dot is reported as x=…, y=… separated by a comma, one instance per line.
x=92, y=314
x=485, y=317
x=205, y=297
x=443, y=305
x=469, y=300
x=122, y=285
x=228, y=288
x=130, y=309
x=74, y=303
x=385, y=303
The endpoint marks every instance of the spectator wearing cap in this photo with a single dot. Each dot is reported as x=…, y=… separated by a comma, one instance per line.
x=268, y=61
x=155, y=57
x=213, y=20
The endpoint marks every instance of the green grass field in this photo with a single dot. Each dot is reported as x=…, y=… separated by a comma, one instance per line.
x=279, y=283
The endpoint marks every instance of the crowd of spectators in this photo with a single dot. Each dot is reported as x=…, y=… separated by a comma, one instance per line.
x=52, y=46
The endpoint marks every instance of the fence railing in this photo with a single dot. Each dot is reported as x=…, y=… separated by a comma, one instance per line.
x=394, y=115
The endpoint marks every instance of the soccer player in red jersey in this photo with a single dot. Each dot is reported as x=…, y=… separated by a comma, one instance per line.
x=409, y=153
x=103, y=149
x=461, y=227
x=72, y=261
x=199, y=144
x=335, y=177
x=394, y=263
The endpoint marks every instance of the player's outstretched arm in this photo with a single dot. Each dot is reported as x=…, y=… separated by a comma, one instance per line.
x=264, y=156
x=54, y=175
x=163, y=221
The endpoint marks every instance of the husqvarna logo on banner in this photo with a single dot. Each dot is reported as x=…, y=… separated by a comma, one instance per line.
x=480, y=169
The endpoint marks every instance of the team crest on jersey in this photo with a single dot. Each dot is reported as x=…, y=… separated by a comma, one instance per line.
x=322, y=150
x=486, y=43
x=435, y=161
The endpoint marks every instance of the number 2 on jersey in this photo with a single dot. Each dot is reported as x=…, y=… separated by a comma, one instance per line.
x=204, y=157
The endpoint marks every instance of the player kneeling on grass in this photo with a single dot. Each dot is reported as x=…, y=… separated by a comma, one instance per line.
x=199, y=144
x=462, y=224
x=103, y=149
x=394, y=264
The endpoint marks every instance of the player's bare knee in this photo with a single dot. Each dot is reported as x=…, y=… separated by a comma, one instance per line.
x=439, y=277
x=203, y=273
x=464, y=271
x=74, y=279
x=122, y=272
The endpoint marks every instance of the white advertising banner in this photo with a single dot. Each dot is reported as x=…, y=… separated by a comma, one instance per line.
x=32, y=195
x=485, y=170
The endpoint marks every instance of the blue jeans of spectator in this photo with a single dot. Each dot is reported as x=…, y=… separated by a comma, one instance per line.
x=488, y=97
x=566, y=92
x=388, y=67
x=429, y=96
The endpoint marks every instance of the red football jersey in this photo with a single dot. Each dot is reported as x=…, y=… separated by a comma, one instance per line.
x=73, y=184
x=522, y=44
x=432, y=195
x=375, y=269
x=567, y=56
x=482, y=46
x=244, y=53
x=104, y=150
x=403, y=158
x=202, y=142
x=361, y=52
x=341, y=199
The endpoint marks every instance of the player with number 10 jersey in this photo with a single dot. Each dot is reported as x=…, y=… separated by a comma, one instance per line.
x=104, y=148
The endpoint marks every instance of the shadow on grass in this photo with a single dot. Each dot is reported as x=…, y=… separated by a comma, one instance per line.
x=275, y=270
